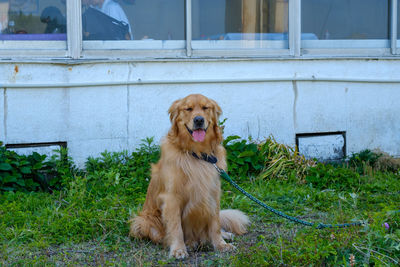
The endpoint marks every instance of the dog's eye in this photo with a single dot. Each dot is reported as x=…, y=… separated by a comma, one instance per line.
x=189, y=109
x=205, y=108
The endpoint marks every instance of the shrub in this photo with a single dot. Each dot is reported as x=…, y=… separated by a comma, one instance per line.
x=32, y=172
x=366, y=161
x=387, y=163
x=244, y=158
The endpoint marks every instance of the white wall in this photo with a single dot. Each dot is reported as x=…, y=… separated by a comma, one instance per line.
x=64, y=102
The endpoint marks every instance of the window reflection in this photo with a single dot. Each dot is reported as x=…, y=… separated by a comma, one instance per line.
x=345, y=19
x=240, y=19
x=133, y=20
x=33, y=20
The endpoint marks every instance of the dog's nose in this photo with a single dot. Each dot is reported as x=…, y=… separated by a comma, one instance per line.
x=198, y=122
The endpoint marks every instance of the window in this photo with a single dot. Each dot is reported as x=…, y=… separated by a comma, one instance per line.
x=24, y=21
x=150, y=24
x=198, y=28
x=345, y=23
x=240, y=24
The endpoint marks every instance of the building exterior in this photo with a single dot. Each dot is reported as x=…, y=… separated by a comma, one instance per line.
x=324, y=75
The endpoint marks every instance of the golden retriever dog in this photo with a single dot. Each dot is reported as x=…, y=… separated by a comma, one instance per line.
x=182, y=206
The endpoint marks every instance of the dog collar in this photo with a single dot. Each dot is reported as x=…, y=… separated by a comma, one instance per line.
x=209, y=158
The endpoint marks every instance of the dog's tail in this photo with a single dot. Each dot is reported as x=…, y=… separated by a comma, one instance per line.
x=234, y=221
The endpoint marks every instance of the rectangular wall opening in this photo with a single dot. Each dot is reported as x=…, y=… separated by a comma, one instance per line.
x=325, y=146
x=46, y=148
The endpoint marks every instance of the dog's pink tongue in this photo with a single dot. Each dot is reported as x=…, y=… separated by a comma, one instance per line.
x=199, y=135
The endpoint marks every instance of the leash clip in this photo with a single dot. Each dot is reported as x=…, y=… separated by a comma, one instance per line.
x=216, y=167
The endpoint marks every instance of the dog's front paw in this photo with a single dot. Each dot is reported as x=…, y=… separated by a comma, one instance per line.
x=225, y=247
x=178, y=253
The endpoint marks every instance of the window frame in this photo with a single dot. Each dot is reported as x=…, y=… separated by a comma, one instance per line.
x=32, y=49
x=75, y=48
x=394, y=24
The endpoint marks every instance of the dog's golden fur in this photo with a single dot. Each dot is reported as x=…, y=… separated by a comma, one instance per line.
x=182, y=205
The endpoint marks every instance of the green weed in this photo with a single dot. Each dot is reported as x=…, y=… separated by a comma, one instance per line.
x=325, y=176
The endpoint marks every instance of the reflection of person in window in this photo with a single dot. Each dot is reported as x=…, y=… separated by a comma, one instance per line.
x=110, y=8
x=54, y=19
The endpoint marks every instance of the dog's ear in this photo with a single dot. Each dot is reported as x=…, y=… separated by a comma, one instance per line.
x=217, y=109
x=174, y=110
x=217, y=129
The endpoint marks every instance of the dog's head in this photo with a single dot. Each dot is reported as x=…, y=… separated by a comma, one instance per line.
x=195, y=121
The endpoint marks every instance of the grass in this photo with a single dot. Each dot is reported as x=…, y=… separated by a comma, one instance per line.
x=86, y=222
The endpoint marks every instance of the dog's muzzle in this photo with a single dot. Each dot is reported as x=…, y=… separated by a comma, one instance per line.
x=199, y=131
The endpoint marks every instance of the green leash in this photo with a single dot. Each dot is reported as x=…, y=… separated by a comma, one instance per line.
x=226, y=177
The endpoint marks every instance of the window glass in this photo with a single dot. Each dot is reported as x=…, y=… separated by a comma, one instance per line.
x=133, y=20
x=239, y=23
x=398, y=24
x=33, y=20
x=345, y=20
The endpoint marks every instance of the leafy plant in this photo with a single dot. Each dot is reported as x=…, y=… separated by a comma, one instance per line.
x=33, y=172
x=244, y=158
x=19, y=172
